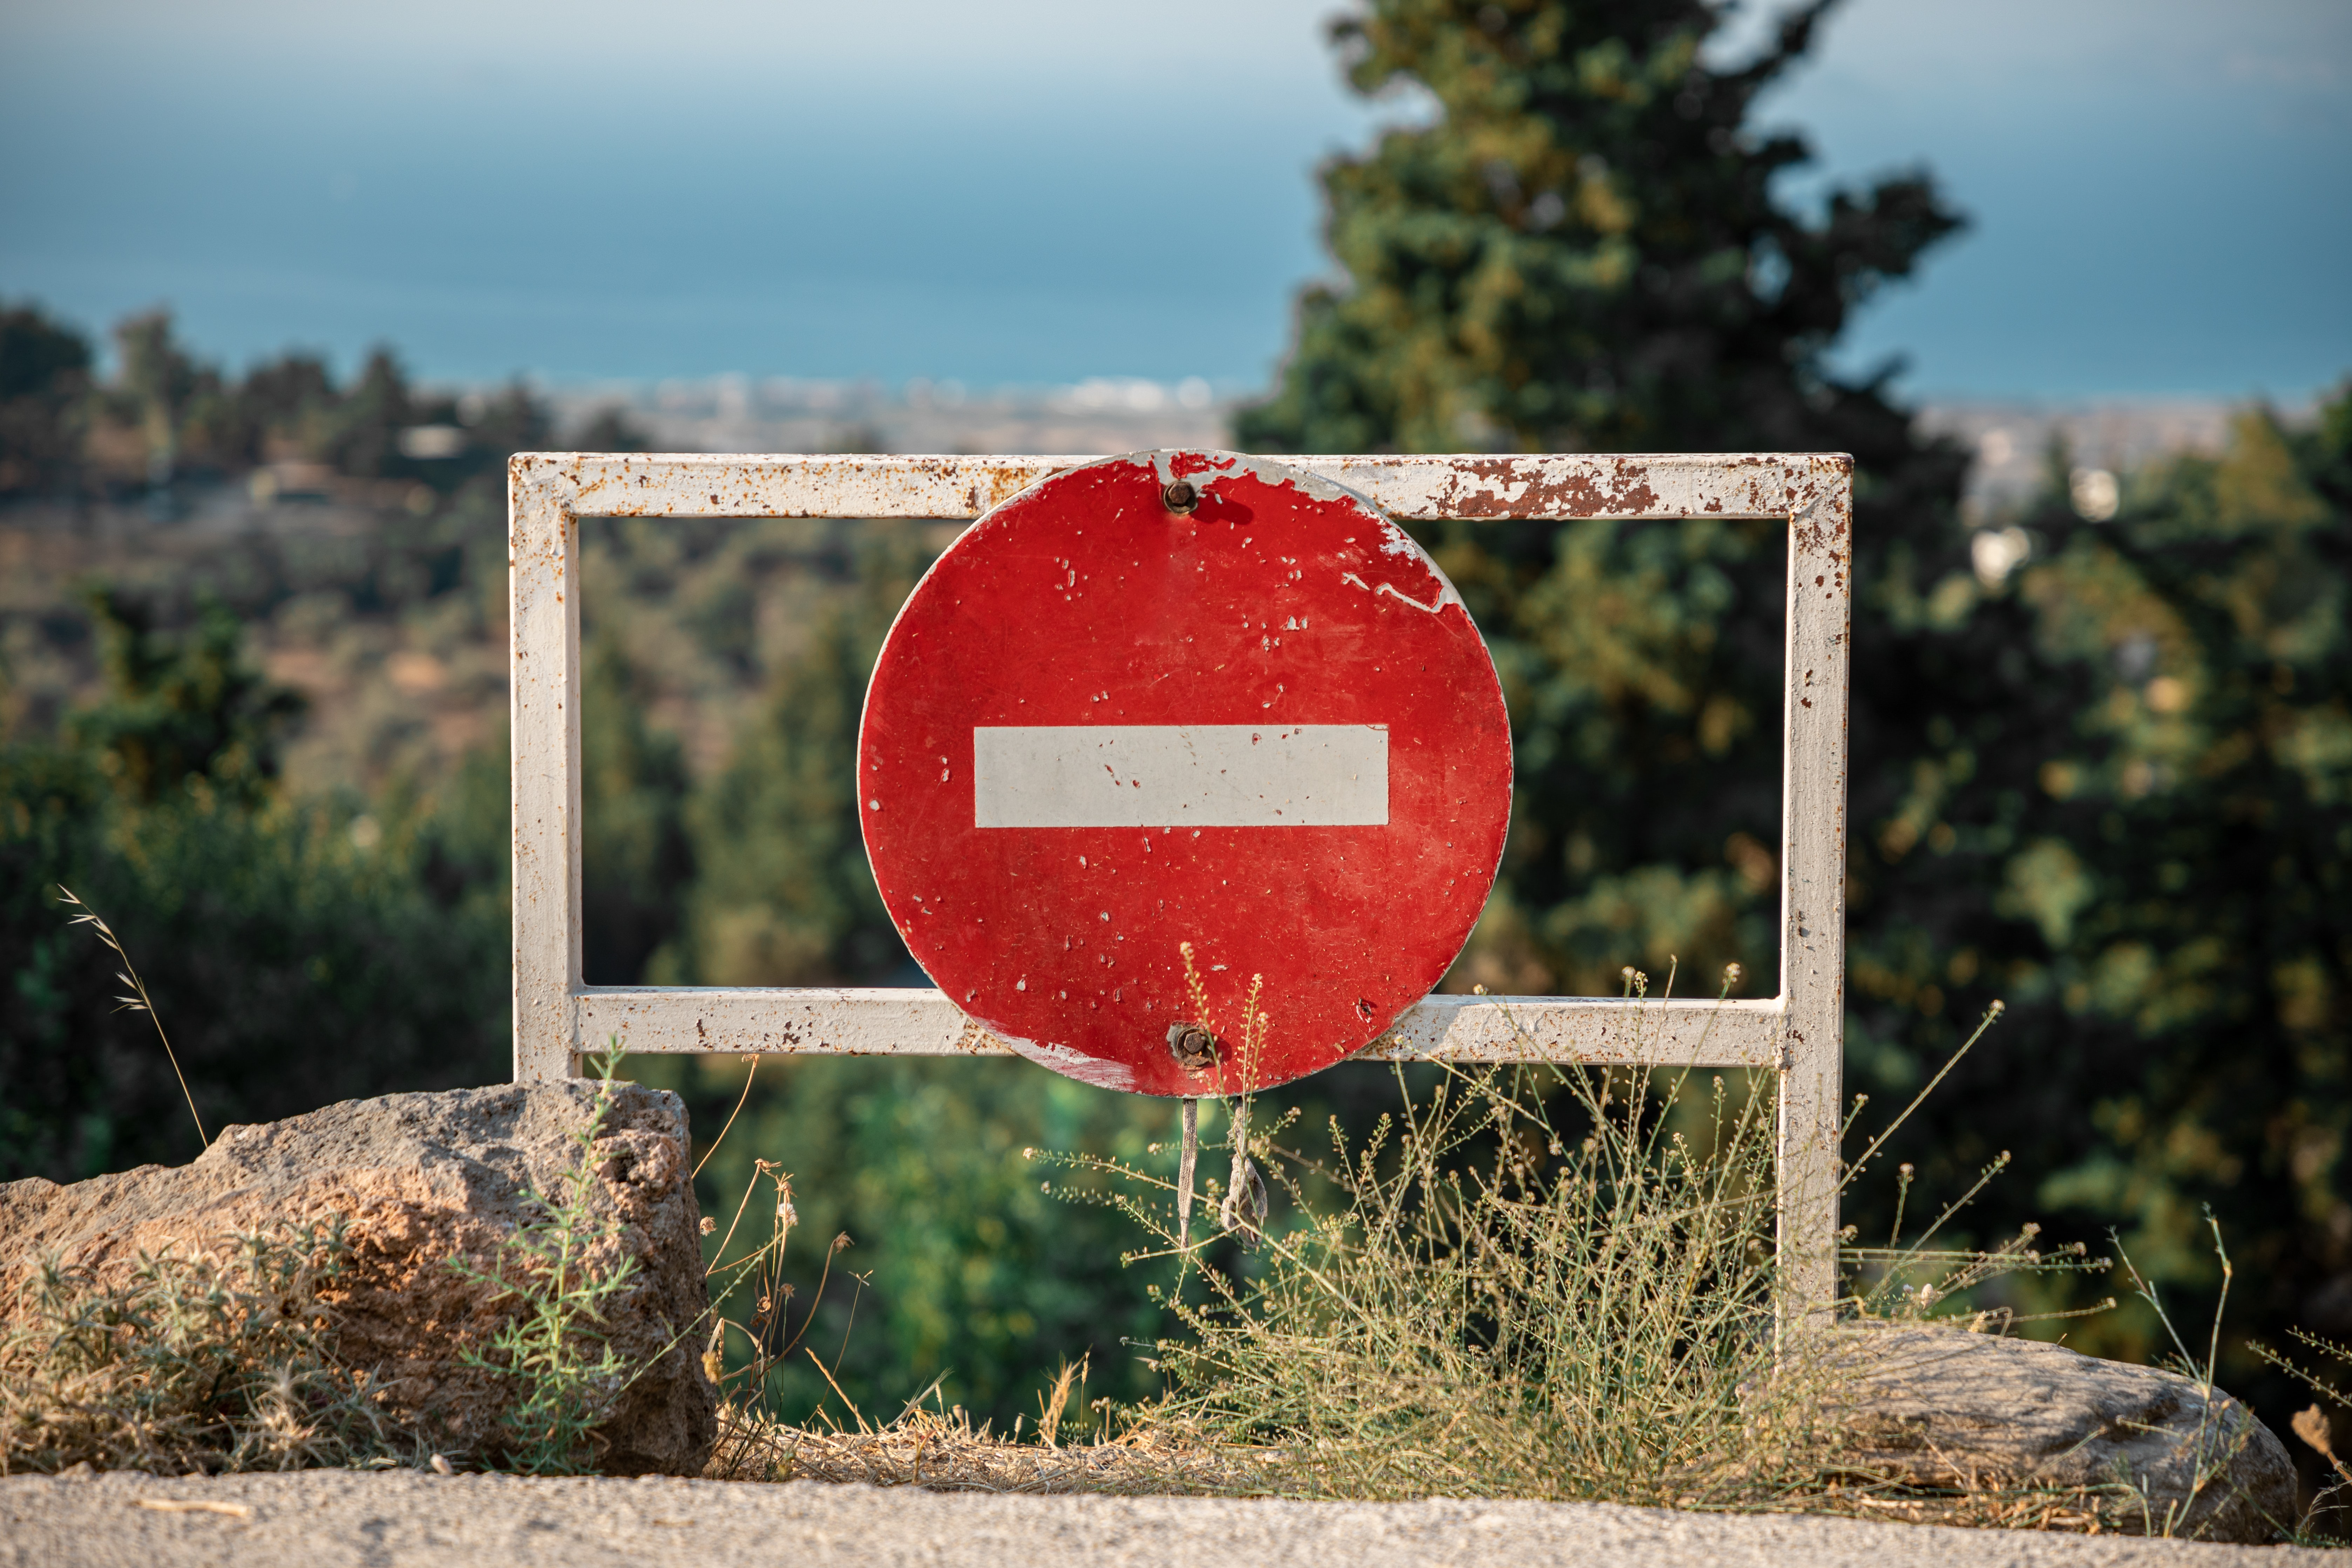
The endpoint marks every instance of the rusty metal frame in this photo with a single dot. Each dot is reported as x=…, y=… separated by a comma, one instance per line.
x=1798, y=1032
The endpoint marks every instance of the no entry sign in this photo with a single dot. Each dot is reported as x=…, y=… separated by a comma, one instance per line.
x=1184, y=698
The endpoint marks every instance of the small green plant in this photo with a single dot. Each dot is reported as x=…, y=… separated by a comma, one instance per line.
x=188, y=1363
x=559, y=1268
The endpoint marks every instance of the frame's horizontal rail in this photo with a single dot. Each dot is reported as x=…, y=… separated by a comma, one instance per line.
x=909, y=1022
x=1417, y=489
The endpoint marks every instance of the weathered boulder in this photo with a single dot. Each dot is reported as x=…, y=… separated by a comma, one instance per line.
x=2155, y=1452
x=419, y=1180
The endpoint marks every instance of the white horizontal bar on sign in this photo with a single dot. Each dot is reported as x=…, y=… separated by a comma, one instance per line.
x=860, y=1022
x=1179, y=775
x=1597, y=1030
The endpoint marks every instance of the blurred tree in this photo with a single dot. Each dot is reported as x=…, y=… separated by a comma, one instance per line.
x=362, y=437
x=166, y=413
x=610, y=429
x=2140, y=839
x=1585, y=250
x=785, y=896
x=277, y=413
x=281, y=394
x=636, y=859
x=297, y=953
x=182, y=708
x=969, y=1269
x=43, y=389
x=501, y=423
x=2107, y=787
x=155, y=381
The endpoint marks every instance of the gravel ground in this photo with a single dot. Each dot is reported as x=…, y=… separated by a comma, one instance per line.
x=324, y=1519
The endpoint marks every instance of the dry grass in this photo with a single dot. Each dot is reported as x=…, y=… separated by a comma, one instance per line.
x=944, y=1452
x=1547, y=1282
x=191, y=1364
x=1550, y=1282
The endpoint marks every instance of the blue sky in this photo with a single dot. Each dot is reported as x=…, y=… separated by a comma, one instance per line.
x=1043, y=190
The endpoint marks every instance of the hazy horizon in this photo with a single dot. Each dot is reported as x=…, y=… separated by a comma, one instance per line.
x=1053, y=192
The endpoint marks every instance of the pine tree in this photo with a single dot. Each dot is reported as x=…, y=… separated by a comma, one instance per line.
x=1584, y=250
x=2107, y=786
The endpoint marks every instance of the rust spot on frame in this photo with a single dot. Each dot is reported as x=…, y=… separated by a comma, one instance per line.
x=1533, y=488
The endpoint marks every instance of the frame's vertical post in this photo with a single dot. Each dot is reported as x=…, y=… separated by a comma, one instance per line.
x=543, y=624
x=1812, y=884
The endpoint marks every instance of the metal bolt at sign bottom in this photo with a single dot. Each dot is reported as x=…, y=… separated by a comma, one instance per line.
x=1194, y=1047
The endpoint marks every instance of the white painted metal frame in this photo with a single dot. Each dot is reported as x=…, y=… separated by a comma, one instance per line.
x=1800, y=1032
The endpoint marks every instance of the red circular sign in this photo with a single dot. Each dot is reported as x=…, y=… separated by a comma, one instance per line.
x=1184, y=700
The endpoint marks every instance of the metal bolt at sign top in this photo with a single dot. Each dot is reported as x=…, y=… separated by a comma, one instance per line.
x=1180, y=497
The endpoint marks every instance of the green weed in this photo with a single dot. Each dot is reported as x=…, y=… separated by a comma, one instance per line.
x=554, y=1268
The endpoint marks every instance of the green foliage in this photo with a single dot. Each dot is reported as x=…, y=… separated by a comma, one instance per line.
x=785, y=896
x=961, y=1266
x=189, y=1364
x=299, y=953
x=635, y=857
x=559, y=1268
x=2153, y=822
x=181, y=709
x=2109, y=787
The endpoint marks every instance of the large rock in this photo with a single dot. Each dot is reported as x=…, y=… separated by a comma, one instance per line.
x=420, y=1179
x=1944, y=1409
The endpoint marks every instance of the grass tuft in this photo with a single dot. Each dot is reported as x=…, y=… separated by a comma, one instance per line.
x=189, y=1364
x=1526, y=1282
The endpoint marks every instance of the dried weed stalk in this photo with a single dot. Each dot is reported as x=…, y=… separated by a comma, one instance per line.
x=138, y=1001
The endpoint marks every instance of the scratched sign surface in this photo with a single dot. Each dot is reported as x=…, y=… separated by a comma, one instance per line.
x=1104, y=726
